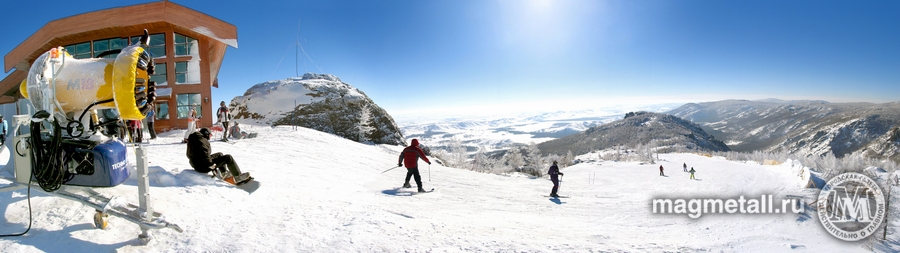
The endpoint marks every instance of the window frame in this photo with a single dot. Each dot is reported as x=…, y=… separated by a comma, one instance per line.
x=183, y=113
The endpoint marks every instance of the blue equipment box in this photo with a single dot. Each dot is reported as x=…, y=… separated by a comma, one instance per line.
x=109, y=162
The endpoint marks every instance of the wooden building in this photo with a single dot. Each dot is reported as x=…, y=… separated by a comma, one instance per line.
x=188, y=47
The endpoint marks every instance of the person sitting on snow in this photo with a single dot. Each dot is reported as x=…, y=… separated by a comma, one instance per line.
x=236, y=131
x=410, y=156
x=198, y=154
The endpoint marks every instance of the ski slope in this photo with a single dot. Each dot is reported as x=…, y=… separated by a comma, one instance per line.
x=322, y=193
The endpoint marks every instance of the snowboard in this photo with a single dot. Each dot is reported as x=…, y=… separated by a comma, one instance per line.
x=250, y=185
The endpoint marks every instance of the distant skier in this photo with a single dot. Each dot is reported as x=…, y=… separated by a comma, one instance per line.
x=661, y=171
x=410, y=156
x=198, y=154
x=224, y=117
x=685, y=167
x=554, y=177
x=692, y=173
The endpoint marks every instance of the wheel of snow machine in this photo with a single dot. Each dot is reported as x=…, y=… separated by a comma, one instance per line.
x=101, y=220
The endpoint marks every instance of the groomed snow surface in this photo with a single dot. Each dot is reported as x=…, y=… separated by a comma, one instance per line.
x=322, y=193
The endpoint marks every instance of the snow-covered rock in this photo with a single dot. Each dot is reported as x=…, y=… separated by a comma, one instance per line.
x=323, y=102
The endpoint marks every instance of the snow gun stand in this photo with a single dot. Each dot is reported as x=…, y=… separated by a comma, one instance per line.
x=90, y=165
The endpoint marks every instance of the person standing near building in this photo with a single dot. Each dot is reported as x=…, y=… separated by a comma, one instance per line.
x=2, y=130
x=224, y=117
x=151, y=116
x=191, y=124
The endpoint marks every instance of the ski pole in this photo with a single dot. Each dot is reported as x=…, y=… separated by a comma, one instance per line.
x=429, y=172
x=389, y=169
x=560, y=184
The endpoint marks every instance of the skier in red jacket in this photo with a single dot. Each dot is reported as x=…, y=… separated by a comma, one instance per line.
x=410, y=156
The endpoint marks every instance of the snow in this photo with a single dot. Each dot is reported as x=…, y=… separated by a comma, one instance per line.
x=322, y=193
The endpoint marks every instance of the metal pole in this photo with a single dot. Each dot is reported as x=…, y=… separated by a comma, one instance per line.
x=143, y=191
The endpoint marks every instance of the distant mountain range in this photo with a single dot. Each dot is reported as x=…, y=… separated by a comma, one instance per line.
x=498, y=134
x=801, y=127
x=654, y=130
x=323, y=102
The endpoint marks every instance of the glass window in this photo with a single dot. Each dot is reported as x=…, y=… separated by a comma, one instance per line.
x=160, y=76
x=157, y=46
x=186, y=102
x=80, y=51
x=101, y=46
x=184, y=44
x=162, y=110
x=181, y=72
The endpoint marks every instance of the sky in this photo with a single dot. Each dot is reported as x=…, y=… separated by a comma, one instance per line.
x=462, y=57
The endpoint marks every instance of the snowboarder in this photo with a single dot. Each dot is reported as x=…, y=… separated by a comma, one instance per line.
x=192, y=124
x=236, y=132
x=410, y=156
x=661, y=171
x=224, y=117
x=198, y=154
x=692, y=173
x=554, y=177
x=685, y=167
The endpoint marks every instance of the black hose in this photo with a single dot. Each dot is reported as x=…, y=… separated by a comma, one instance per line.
x=47, y=160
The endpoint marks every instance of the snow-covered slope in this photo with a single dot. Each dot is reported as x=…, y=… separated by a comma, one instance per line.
x=323, y=102
x=323, y=193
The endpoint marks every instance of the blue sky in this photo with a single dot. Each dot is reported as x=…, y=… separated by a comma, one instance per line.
x=445, y=57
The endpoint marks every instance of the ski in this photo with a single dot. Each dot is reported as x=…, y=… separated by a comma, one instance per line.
x=428, y=191
x=560, y=197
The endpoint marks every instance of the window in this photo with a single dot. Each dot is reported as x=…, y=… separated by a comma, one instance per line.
x=160, y=76
x=101, y=46
x=186, y=102
x=157, y=46
x=80, y=50
x=184, y=44
x=180, y=72
x=187, y=72
x=162, y=110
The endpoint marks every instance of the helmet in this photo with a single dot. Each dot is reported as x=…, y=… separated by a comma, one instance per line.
x=205, y=132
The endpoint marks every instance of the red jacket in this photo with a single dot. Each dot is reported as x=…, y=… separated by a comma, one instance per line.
x=410, y=155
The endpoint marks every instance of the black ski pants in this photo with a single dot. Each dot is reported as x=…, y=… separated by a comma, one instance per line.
x=225, y=161
x=555, y=180
x=414, y=172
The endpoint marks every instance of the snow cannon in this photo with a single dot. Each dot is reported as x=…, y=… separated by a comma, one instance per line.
x=66, y=93
x=69, y=90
